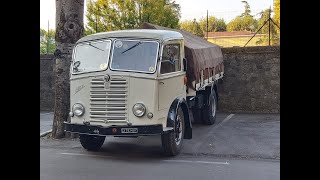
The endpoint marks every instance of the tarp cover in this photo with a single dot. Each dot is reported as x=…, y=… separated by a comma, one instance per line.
x=200, y=55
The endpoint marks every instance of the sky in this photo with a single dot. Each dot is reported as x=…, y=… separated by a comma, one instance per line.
x=226, y=9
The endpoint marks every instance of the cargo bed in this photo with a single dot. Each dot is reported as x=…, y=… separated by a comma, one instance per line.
x=204, y=59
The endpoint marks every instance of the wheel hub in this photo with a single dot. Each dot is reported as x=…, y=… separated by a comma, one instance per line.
x=178, y=131
x=213, y=108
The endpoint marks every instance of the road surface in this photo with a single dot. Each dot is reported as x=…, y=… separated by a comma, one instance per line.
x=238, y=146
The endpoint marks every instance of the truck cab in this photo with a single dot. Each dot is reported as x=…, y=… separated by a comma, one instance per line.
x=129, y=83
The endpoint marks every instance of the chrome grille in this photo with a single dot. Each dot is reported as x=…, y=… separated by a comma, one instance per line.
x=108, y=100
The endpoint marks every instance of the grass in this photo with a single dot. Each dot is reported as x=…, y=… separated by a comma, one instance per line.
x=237, y=41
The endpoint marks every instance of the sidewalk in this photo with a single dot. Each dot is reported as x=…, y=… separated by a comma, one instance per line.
x=46, y=119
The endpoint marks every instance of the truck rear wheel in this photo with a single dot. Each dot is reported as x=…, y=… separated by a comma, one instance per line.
x=90, y=142
x=209, y=111
x=172, y=142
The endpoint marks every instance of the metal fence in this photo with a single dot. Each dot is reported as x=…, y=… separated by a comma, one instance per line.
x=264, y=33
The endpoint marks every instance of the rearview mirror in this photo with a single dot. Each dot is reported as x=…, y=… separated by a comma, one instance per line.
x=184, y=64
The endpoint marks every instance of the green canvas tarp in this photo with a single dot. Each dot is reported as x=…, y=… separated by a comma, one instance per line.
x=201, y=55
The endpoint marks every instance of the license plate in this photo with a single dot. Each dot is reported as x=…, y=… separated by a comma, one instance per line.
x=129, y=130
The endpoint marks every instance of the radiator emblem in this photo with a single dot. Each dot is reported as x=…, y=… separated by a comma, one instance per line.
x=96, y=131
x=79, y=88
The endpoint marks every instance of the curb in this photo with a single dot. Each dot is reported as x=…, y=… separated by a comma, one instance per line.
x=45, y=133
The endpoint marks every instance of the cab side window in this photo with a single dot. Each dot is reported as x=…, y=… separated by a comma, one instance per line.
x=171, y=61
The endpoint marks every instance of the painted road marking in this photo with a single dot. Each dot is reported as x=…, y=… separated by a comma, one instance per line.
x=89, y=155
x=211, y=130
x=226, y=119
x=46, y=113
x=199, y=162
x=45, y=133
x=169, y=160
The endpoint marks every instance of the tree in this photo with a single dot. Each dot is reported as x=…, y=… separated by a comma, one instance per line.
x=214, y=24
x=276, y=16
x=161, y=12
x=244, y=22
x=247, y=9
x=69, y=28
x=108, y=15
x=47, y=41
x=264, y=16
x=192, y=27
x=43, y=48
x=221, y=25
x=42, y=33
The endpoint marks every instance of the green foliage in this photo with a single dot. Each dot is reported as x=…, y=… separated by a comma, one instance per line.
x=247, y=9
x=47, y=41
x=274, y=37
x=192, y=27
x=276, y=16
x=214, y=24
x=221, y=25
x=264, y=15
x=109, y=15
x=42, y=32
x=200, y=28
x=244, y=22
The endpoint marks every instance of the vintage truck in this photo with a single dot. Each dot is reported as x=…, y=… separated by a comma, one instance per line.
x=142, y=82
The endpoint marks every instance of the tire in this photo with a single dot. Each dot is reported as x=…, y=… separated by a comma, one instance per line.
x=172, y=142
x=197, y=116
x=210, y=111
x=91, y=142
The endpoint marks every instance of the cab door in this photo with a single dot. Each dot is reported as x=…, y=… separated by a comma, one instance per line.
x=171, y=74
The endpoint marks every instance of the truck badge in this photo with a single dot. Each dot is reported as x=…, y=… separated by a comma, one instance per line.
x=96, y=131
x=79, y=89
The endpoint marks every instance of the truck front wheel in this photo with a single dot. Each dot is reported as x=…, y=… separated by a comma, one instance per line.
x=172, y=141
x=209, y=112
x=90, y=142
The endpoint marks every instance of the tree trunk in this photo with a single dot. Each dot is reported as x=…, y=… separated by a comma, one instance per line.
x=69, y=28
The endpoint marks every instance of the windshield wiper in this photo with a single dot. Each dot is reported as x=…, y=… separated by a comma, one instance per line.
x=95, y=47
x=75, y=66
x=132, y=47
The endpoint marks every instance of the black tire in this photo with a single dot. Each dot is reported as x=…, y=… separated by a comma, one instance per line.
x=197, y=116
x=210, y=111
x=90, y=142
x=170, y=145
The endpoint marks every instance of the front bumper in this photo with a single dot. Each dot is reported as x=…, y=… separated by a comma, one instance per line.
x=115, y=130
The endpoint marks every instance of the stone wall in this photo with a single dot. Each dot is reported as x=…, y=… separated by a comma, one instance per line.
x=47, y=64
x=251, y=81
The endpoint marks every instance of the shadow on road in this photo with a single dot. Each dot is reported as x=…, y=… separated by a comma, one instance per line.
x=249, y=136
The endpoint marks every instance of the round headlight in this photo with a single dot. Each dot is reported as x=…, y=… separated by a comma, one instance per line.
x=139, y=109
x=78, y=109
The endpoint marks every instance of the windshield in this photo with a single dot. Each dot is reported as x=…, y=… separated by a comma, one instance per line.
x=91, y=56
x=135, y=55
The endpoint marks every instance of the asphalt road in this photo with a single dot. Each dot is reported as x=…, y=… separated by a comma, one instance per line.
x=240, y=146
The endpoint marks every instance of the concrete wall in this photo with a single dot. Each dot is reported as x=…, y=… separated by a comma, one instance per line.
x=251, y=82
x=47, y=65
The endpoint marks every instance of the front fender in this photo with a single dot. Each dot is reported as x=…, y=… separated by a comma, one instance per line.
x=172, y=115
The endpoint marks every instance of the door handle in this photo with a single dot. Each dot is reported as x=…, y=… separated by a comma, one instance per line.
x=161, y=82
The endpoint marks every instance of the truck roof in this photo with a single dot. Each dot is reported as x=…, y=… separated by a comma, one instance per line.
x=136, y=33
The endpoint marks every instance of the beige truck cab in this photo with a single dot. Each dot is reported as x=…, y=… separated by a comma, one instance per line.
x=132, y=83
